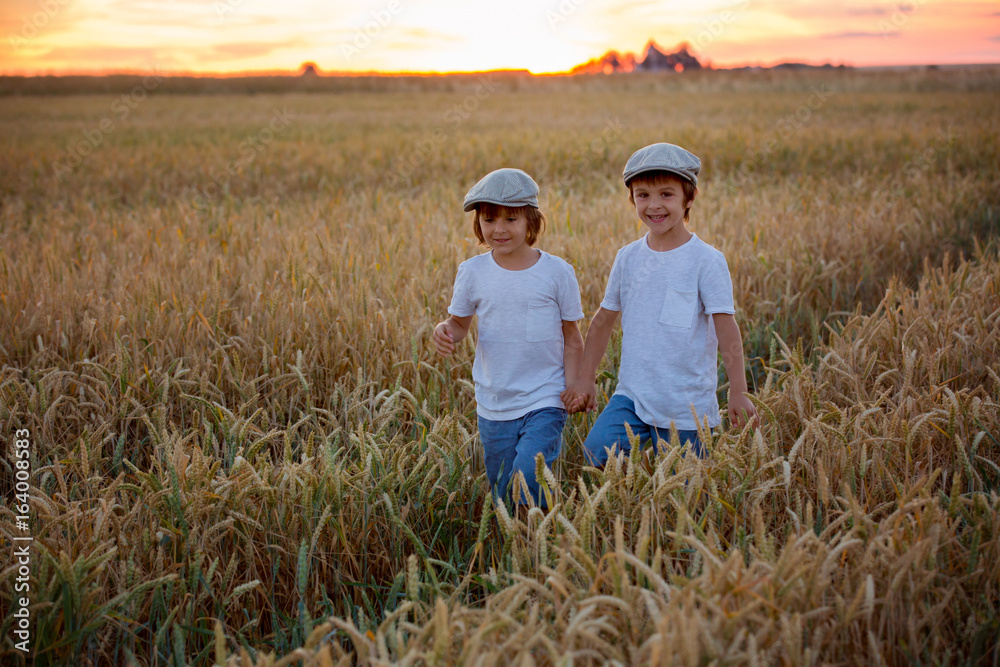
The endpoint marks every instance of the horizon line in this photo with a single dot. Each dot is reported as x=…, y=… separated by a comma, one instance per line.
x=319, y=73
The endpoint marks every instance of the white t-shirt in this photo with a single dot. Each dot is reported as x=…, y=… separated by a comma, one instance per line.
x=669, y=347
x=519, y=351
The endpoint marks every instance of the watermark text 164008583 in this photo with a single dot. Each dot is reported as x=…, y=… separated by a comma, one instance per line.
x=22, y=541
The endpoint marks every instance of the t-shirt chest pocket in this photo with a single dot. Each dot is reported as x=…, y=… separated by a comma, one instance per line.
x=680, y=305
x=542, y=321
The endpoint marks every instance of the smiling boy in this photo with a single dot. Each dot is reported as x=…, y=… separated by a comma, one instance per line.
x=675, y=297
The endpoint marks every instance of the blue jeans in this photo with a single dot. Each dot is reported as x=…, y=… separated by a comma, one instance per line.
x=510, y=446
x=609, y=430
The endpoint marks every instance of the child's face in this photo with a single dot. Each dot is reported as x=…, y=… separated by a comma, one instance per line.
x=506, y=231
x=661, y=206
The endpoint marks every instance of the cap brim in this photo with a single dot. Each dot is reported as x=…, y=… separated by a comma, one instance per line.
x=472, y=204
x=679, y=174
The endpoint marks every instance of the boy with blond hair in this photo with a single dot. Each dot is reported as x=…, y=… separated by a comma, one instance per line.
x=528, y=349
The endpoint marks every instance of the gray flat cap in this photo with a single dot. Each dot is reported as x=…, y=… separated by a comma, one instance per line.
x=504, y=187
x=663, y=157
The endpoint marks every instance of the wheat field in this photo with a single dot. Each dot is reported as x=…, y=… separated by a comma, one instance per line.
x=215, y=317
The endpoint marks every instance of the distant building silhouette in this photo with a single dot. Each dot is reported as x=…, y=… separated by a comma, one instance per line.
x=309, y=69
x=654, y=59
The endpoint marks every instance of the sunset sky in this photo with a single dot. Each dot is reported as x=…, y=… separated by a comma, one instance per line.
x=228, y=36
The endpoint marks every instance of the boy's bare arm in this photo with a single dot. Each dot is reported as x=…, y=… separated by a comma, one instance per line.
x=741, y=409
x=572, y=352
x=598, y=335
x=450, y=332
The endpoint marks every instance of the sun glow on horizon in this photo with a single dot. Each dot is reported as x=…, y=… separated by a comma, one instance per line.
x=435, y=36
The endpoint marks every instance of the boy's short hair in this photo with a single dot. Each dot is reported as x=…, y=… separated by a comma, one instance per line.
x=536, y=220
x=656, y=177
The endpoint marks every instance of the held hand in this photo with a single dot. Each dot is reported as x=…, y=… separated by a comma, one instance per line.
x=588, y=397
x=580, y=397
x=742, y=410
x=444, y=339
x=572, y=401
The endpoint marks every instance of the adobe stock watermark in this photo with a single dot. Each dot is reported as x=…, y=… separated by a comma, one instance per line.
x=563, y=11
x=784, y=128
x=35, y=22
x=454, y=116
x=23, y=539
x=223, y=7
x=121, y=108
x=363, y=36
x=252, y=146
x=891, y=26
x=713, y=28
x=589, y=153
x=912, y=170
